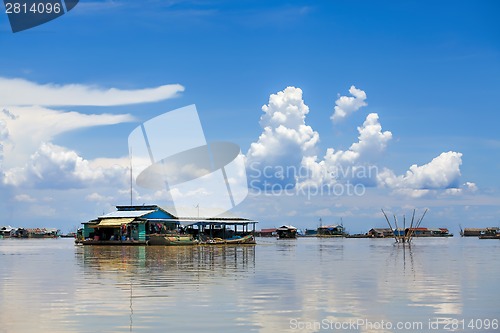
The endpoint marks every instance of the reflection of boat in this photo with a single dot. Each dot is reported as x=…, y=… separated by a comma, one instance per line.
x=171, y=239
x=286, y=231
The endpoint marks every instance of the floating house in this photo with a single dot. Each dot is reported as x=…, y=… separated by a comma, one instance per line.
x=5, y=231
x=286, y=231
x=152, y=225
x=35, y=233
x=310, y=232
x=490, y=233
x=428, y=232
x=476, y=232
x=331, y=231
x=381, y=232
x=270, y=232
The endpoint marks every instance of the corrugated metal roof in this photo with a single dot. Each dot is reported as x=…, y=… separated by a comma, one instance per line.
x=126, y=213
x=114, y=222
x=213, y=221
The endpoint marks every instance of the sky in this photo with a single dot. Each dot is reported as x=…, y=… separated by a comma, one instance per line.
x=340, y=108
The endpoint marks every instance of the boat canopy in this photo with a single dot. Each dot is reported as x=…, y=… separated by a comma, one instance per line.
x=114, y=222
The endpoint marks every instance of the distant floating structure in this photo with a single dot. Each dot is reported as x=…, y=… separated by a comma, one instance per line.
x=482, y=233
x=287, y=231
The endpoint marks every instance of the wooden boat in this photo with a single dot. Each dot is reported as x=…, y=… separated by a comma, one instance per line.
x=80, y=241
x=172, y=239
x=248, y=239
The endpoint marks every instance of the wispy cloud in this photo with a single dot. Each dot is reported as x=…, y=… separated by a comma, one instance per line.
x=16, y=91
x=43, y=125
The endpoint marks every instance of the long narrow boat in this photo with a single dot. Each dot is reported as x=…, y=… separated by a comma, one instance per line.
x=169, y=239
x=248, y=239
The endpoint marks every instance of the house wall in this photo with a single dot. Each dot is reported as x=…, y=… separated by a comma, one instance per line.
x=142, y=232
x=87, y=231
x=138, y=231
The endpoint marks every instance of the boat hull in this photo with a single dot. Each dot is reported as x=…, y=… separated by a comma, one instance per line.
x=248, y=239
x=171, y=240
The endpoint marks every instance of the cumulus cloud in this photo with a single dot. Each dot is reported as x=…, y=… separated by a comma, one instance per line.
x=285, y=153
x=56, y=167
x=357, y=163
x=16, y=91
x=43, y=125
x=346, y=105
x=443, y=172
x=285, y=138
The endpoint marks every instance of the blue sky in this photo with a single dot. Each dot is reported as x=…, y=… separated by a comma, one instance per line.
x=430, y=71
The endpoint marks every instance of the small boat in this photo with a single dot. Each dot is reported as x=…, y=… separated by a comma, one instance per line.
x=287, y=232
x=171, y=239
x=248, y=239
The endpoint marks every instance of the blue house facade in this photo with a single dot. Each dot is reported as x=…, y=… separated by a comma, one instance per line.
x=129, y=224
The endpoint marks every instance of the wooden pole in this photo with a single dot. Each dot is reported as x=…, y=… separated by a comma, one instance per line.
x=396, y=230
x=389, y=223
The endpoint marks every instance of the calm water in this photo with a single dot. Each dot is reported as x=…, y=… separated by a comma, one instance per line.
x=303, y=285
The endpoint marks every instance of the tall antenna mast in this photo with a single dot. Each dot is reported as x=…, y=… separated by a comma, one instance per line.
x=130, y=176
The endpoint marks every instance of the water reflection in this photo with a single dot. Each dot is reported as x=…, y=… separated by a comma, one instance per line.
x=136, y=280
x=169, y=258
x=63, y=288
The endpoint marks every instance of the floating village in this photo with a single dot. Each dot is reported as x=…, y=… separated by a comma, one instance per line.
x=153, y=225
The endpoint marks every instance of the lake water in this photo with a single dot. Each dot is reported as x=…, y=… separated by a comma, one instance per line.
x=303, y=285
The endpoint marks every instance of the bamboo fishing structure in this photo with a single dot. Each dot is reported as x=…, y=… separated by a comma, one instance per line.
x=405, y=236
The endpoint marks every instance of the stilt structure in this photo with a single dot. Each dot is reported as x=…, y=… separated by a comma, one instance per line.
x=405, y=235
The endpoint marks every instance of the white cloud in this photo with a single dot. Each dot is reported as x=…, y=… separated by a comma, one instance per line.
x=356, y=163
x=24, y=198
x=285, y=154
x=443, y=172
x=345, y=105
x=43, y=125
x=15, y=91
x=285, y=138
x=56, y=167
x=94, y=196
x=371, y=143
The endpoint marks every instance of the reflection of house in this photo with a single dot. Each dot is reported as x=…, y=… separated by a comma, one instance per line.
x=135, y=225
x=286, y=231
x=381, y=232
x=331, y=231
